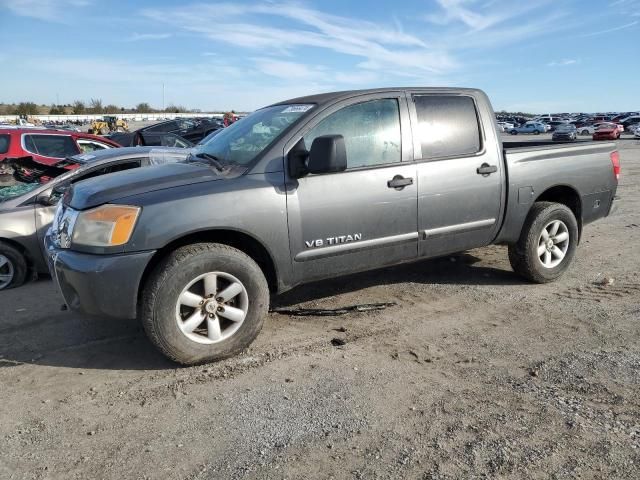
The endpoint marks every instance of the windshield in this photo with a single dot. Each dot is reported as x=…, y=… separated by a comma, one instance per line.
x=245, y=139
x=8, y=192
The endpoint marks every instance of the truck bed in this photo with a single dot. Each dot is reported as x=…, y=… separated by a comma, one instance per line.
x=581, y=170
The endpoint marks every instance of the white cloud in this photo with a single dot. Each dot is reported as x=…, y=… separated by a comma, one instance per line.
x=148, y=36
x=455, y=10
x=210, y=85
x=564, y=63
x=609, y=30
x=288, y=70
x=375, y=46
x=480, y=17
x=49, y=10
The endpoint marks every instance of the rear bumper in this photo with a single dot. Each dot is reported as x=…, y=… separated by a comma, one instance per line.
x=103, y=285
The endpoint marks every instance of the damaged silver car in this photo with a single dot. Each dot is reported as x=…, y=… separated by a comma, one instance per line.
x=27, y=207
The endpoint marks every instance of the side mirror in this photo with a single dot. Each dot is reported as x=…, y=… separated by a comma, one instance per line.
x=328, y=154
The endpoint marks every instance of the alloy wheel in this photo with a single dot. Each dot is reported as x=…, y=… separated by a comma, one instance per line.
x=212, y=307
x=553, y=244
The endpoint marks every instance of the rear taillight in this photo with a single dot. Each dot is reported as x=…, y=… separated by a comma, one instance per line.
x=615, y=162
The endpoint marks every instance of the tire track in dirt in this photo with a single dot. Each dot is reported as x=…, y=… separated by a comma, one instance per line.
x=600, y=293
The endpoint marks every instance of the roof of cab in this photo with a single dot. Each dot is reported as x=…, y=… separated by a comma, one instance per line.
x=330, y=97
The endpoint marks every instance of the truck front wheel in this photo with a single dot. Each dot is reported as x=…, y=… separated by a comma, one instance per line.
x=547, y=243
x=204, y=302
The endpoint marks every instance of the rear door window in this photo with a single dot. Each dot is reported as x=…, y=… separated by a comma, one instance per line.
x=56, y=146
x=447, y=126
x=4, y=143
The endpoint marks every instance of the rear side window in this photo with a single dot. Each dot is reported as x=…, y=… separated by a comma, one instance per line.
x=57, y=146
x=447, y=125
x=4, y=143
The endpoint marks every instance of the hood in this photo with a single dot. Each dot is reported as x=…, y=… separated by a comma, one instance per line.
x=103, y=189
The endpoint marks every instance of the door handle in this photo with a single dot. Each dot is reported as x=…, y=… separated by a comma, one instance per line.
x=486, y=169
x=399, y=182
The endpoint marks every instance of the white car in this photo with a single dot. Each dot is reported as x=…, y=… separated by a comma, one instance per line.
x=587, y=130
x=636, y=131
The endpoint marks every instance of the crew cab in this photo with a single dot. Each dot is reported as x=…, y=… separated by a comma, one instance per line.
x=312, y=188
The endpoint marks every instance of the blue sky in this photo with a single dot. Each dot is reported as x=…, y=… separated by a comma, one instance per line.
x=537, y=56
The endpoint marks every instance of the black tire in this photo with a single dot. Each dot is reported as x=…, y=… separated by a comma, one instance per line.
x=523, y=255
x=514, y=132
x=536, y=132
x=173, y=274
x=16, y=266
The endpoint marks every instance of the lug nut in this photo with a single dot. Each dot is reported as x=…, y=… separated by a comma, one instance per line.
x=211, y=315
x=220, y=299
x=220, y=309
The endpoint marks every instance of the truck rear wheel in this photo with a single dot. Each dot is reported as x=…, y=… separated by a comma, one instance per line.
x=13, y=267
x=547, y=243
x=204, y=302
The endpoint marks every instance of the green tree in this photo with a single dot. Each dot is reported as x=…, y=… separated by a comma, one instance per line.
x=56, y=110
x=79, y=107
x=95, y=105
x=143, y=107
x=26, y=108
x=175, y=109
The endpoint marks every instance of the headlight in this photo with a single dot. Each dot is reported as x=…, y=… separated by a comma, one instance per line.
x=105, y=226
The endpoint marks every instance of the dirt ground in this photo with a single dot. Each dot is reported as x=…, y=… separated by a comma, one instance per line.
x=473, y=374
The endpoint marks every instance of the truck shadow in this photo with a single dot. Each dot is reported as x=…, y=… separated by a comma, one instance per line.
x=459, y=269
x=34, y=330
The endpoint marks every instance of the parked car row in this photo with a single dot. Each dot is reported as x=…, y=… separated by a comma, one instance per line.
x=585, y=124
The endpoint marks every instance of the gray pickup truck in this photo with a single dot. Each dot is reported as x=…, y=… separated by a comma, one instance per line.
x=313, y=188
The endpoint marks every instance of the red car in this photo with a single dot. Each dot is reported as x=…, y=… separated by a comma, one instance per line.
x=606, y=131
x=48, y=147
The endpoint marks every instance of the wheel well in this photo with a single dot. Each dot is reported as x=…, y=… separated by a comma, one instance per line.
x=25, y=253
x=239, y=240
x=566, y=196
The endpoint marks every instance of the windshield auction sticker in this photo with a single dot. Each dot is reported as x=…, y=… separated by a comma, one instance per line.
x=297, y=108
